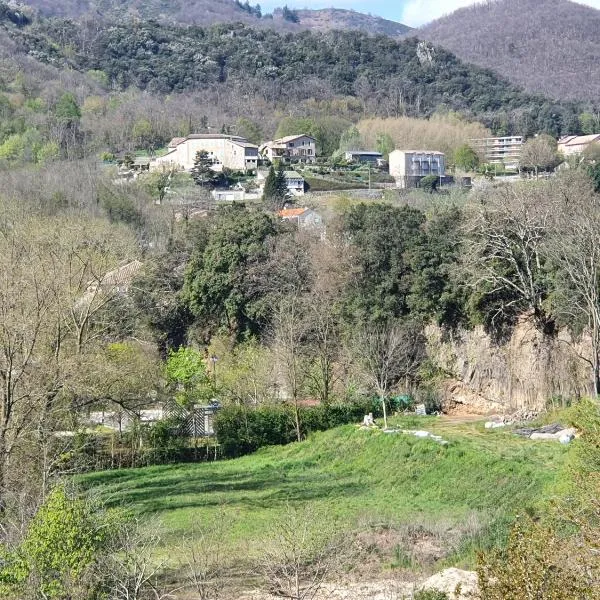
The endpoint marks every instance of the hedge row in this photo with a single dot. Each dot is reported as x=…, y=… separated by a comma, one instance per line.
x=241, y=430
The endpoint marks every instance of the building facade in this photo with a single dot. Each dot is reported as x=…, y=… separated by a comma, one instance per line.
x=293, y=148
x=576, y=144
x=499, y=150
x=226, y=151
x=408, y=167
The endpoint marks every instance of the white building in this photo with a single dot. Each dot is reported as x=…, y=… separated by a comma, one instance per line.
x=293, y=180
x=226, y=151
x=576, y=144
x=499, y=150
x=300, y=148
x=408, y=167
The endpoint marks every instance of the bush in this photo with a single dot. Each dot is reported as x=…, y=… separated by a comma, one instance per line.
x=431, y=595
x=241, y=430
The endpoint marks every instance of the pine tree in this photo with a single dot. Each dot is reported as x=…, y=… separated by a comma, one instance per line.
x=275, y=191
x=201, y=172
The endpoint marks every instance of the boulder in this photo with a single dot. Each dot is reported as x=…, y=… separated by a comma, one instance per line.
x=452, y=580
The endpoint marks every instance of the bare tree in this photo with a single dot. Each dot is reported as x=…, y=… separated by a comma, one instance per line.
x=299, y=556
x=575, y=247
x=506, y=233
x=539, y=153
x=387, y=354
x=131, y=569
x=288, y=334
x=205, y=559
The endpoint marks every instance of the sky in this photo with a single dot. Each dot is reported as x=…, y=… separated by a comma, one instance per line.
x=409, y=12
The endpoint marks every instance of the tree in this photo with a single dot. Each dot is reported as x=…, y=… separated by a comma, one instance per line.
x=539, y=153
x=275, y=190
x=186, y=370
x=55, y=560
x=385, y=144
x=430, y=183
x=506, y=262
x=388, y=353
x=575, y=248
x=288, y=334
x=202, y=172
x=466, y=158
x=298, y=557
x=219, y=286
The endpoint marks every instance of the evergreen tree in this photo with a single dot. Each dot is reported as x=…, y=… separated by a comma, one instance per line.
x=202, y=172
x=275, y=191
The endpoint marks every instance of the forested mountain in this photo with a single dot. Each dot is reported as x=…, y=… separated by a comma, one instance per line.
x=547, y=46
x=208, y=12
x=392, y=77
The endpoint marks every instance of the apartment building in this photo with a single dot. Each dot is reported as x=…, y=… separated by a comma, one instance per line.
x=499, y=150
x=408, y=167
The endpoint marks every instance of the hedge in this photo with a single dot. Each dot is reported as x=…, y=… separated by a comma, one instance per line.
x=241, y=430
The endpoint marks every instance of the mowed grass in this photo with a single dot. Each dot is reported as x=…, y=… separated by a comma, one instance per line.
x=347, y=476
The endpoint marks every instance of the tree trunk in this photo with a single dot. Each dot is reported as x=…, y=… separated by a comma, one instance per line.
x=384, y=411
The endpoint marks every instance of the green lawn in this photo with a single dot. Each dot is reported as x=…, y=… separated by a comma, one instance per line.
x=353, y=477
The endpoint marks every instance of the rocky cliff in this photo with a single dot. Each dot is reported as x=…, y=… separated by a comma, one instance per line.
x=524, y=373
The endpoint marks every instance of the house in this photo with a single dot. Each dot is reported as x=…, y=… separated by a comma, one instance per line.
x=302, y=217
x=116, y=281
x=294, y=148
x=293, y=180
x=408, y=167
x=576, y=144
x=226, y=152
x=363, y=156
x=499, y=150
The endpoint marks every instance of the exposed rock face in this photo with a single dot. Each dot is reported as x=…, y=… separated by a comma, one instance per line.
x=524, y=373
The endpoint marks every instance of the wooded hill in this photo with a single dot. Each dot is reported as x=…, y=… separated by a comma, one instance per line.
x=547, y=46
x=398, y=77
x=208, y=12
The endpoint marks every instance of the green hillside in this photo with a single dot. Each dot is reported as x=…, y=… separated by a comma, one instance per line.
x=462, y=494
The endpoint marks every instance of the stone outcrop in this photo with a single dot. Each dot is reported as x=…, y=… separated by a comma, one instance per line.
x=483, y=377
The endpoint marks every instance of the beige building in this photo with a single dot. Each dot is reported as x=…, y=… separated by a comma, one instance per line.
x=576, y=144
x=499, y=150
x=301, y=148
x=408, y=167
x=226, y=151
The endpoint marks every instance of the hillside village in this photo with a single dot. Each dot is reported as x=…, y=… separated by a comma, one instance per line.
x=300, y=304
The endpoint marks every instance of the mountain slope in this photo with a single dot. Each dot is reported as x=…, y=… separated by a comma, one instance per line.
x=189, y=12
x=337, y=18
x=547, y=46
x=208, y=12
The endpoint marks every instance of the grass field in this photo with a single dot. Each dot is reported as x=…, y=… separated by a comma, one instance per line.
x=462, y=494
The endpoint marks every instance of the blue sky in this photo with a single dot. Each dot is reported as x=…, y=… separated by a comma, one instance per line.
x=410, y=12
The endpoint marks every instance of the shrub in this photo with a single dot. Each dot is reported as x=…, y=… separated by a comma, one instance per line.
x=241, y=430
x=431, y=595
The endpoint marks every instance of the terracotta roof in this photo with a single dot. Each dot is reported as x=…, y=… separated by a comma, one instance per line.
x=288, y=213
x=175, y=142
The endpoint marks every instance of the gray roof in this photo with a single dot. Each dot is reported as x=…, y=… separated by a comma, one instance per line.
x=364, y=152
x=292, y=175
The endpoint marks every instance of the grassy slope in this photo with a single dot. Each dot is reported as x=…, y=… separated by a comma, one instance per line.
x=354, y=477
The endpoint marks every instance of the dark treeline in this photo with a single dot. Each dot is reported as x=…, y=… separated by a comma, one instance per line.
x=393, y=78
